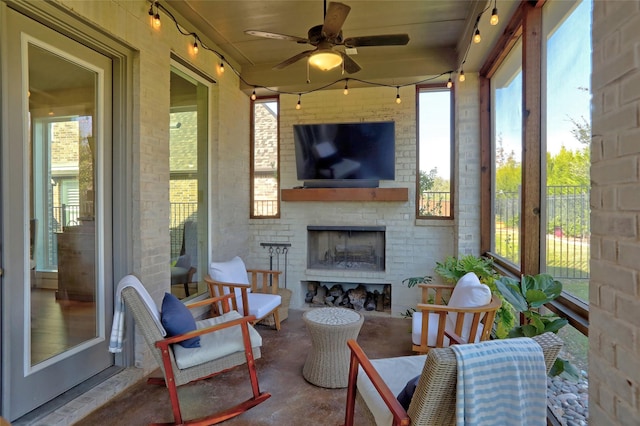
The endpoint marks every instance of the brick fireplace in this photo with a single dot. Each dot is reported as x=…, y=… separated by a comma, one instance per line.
x=347, y=249
x=356, y=248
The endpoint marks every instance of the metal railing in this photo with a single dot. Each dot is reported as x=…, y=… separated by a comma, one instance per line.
x=567, y=230
x=180, y=213
x=435, y=203
x=265, y=207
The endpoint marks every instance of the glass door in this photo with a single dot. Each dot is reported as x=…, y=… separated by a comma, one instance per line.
x=56, y=226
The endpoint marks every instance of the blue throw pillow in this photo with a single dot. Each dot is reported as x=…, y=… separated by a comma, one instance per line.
x=177, y=319
x=405, y=395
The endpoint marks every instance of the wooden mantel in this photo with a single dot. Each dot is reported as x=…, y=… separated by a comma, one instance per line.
x=345, y=194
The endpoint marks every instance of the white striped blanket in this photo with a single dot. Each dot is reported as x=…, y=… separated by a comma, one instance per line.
x=501, y=382
x=117, y=328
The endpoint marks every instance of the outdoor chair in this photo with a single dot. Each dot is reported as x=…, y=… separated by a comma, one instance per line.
x=375, y=385
x=223, y=342
x=467, y=309
x=257, y=297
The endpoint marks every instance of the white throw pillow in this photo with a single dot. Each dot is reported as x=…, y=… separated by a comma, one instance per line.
x=469, y=292
x=232, y=271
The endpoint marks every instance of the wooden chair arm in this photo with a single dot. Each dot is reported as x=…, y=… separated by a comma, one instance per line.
x=437, y=286
x=264, y=271
x=454, y=338
x=360, y=359
x=269, y=282
x=190, y=274
x=224, y=300
x=212, y=284
x=494, y=304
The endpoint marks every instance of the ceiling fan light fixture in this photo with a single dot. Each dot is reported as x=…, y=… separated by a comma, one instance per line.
x=325, y=59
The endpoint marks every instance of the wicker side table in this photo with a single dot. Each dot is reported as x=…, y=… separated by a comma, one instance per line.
x=327, y=363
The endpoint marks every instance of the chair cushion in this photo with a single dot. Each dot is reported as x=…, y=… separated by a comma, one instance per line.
x=177, y=319
x=416, y=329
x=261, y=304
x=405, y=395
x=395, y=372
x=183, y=261
x=217, y=344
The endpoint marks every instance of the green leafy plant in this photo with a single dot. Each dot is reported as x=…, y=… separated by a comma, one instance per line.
x=527, y=296
x=452, y=269
x=412, y=282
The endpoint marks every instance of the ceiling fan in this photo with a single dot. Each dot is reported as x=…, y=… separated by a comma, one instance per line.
x=328, y=35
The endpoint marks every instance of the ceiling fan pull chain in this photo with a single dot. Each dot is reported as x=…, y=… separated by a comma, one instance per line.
x=308, y=79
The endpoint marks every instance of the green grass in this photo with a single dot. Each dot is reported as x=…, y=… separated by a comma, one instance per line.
x=566, y=257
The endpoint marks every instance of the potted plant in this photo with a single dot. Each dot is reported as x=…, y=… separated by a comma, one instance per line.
x=452, y=269
x=527, y=297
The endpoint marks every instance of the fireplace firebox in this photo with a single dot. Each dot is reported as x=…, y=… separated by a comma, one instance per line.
x=360, y=248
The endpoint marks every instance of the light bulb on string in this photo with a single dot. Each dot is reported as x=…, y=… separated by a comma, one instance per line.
x=461, y=76
x=346, y=87
x=221, y=66
x=449, y=83
x=253, y=95
x=151, y=14
x=298, y=105
x=494, y=14
x=195, y=47
x=156, y=17
x=476, y=37
x=398, y=100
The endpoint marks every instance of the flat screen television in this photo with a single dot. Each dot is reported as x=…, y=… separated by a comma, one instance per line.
x=345, y=154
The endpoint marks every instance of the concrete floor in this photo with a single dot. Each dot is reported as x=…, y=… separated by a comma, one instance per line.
x=293, y=400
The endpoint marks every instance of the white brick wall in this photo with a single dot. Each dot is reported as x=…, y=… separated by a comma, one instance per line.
x=229, y=142
x=412, y=249
x=614, y=320
x=467, y=207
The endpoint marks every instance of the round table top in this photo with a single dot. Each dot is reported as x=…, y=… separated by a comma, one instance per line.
x=332, y=316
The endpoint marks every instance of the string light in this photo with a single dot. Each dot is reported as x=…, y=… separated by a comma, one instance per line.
x=494, y=14
x=476, y=37
x=461, y=76
x=151, y=14
x=156, y=17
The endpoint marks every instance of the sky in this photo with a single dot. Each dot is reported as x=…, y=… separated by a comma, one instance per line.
x=568, y=74
x=568, y=83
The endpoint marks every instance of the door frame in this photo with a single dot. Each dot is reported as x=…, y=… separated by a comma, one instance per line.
x=59, y=19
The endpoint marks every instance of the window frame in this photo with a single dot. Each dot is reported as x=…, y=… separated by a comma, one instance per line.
x=436, y=87
x=526, y=22
x=252, y=172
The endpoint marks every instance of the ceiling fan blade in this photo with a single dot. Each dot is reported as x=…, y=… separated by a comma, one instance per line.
x=334, y=19
x=377, y=40
x=276, y=36
x=293, y=59
x=350, y=65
